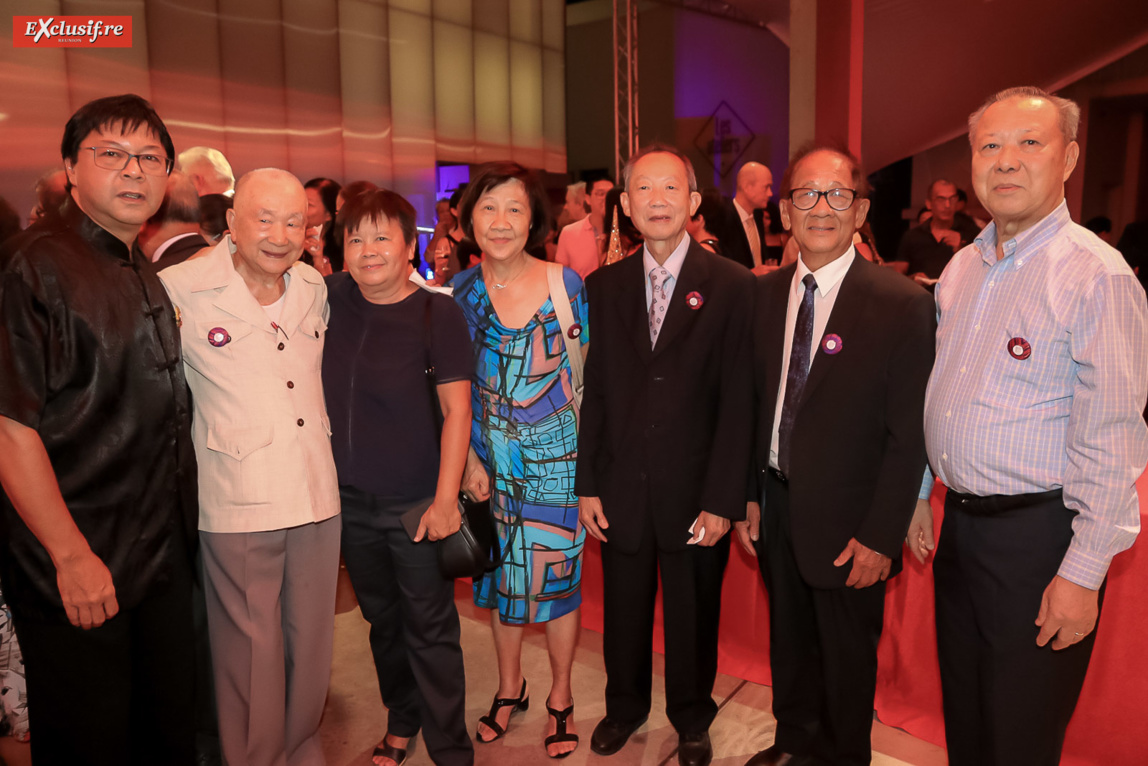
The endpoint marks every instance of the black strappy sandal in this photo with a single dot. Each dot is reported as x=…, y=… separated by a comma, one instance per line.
x=560, y=734
x=521, y=702
x=387, y=750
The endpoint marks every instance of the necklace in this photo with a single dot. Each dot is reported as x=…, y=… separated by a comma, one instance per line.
x=502, y=285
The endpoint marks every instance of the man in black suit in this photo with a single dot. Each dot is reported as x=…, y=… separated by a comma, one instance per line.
x=741, y=231
x=172, y=235
x=662, y=451
x=842, y=353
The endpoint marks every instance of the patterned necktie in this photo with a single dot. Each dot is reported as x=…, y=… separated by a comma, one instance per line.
x=799, y=355
x=658, y=303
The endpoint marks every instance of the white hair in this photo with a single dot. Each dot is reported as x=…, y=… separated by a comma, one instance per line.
x=1068, y=109
x=198, y=155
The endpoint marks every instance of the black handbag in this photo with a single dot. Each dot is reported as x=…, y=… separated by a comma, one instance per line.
x=473, y=549
x=460, y=554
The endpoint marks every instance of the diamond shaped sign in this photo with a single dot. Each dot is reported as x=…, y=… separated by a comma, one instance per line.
x=724, y=139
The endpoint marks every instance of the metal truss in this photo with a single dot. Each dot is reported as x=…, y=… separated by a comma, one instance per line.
x=625, y=82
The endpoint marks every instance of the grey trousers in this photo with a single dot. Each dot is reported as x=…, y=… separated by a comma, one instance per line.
x=271, y=620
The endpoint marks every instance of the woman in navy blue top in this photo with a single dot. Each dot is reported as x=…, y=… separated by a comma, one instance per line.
x=391, y=457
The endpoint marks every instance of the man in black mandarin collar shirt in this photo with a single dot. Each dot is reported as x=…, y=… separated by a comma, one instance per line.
x=99, y=514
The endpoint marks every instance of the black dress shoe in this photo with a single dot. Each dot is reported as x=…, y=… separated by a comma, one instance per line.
x=609, y=735
x=775, y=756
x=695, y=749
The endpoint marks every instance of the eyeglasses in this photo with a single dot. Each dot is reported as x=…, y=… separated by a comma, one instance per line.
x=117, y=159
x=838, y=199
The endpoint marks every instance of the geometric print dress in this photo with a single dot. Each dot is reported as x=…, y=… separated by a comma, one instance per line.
x=525, y=432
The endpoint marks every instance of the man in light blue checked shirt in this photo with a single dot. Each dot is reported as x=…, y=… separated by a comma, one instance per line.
x=1033, y=420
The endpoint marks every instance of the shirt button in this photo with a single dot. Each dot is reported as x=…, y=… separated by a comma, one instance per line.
x=290, y=384
x=962, y=369
x=975, y=327
x=944, y=456
x=949, y=414
x=281, y=346
x=991, y=284
x=299, y=421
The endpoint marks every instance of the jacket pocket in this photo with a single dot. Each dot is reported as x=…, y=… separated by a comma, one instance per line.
x=238, y=443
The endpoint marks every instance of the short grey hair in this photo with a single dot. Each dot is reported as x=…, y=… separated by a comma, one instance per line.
x=628, y=168
x=211, y=157
x=1068, y=109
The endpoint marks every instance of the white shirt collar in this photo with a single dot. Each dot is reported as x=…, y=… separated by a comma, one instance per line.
x=744, y=216
x=673, y=264
x=828, y=275
x=159, y=251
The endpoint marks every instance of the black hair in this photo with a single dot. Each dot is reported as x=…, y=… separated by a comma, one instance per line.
x=328, y=193
x=494, y=174
x=773, y=210
x=128, y=112
x=213, y=214
x=1099, y=224
x=860, y=185
x=456, y=196
x=626, y=227
x=593, y=179
x=710, y=208
x=376, y=204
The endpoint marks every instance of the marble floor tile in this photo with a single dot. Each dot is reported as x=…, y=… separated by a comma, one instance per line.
x=354, y=720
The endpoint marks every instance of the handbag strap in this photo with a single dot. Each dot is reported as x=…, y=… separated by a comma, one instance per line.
x=561, y=301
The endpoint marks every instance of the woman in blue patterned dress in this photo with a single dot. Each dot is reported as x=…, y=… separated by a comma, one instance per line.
x=524, y=440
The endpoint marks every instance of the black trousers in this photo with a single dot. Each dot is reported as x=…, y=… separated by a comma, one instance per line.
x=122, y=693
x=822, y=649
x=415, y=630
x=691, y=605
x=1006, y=700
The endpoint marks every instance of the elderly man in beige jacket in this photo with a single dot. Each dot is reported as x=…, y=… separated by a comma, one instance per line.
x=252, y=321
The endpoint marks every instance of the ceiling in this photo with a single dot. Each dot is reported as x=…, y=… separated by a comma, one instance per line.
x=928, y=64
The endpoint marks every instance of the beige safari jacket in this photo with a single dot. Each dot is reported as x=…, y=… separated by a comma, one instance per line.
x=259, y=423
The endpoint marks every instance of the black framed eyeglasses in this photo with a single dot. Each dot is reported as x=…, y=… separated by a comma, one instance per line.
x=107, y=158
x=838, y=199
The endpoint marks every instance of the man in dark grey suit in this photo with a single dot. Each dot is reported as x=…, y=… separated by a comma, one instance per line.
x=842, y=353
x=172, y=235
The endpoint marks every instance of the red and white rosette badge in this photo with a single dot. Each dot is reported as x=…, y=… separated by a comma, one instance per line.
x=218, y=337
x=1019, y=348
x=831, y=344
x=695, y=300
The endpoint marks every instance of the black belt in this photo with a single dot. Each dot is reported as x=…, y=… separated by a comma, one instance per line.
x=991, y=505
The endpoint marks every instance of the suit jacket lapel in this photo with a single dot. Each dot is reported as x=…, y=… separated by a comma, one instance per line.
x=634, y=317
x=847, y=317
x=692, y=278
